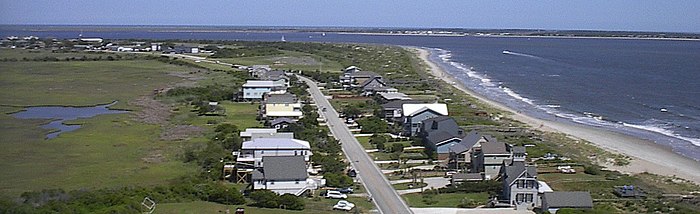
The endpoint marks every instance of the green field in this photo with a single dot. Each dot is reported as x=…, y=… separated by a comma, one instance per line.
x=444, y=200
x=312, y=205
x=108, y=150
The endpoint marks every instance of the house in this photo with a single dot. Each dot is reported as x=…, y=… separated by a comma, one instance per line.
x=351, y=80
x=248, y=133
x=460, y=153
x=274, y=75
x=391, y=96
x=520, y=186
x=459, y=178
x=253, y=151
x=180, y=50
x=415, y=114
x=255, y=89
x=439, y=133
x=393, y=110
x=281, y=122
x=371, y=85
x=553, y=201
x=283, y=175
x=488, y=158
x=280, y=105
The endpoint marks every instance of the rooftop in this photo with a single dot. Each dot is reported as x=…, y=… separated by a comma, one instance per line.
x=280, y=98
x=412, y=109
x=396, y=104
x=284, y=168
x=276, y=143
x=494, y=148
x=258, y=83
x=249, y=131
x=568, y=199
x=518, y=169
x=281, y=120
x=394, y=96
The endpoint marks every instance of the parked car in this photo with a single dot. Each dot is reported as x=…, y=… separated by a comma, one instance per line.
x=352, y=173
x=347, y=190
x=336, y=195
x=343, y=205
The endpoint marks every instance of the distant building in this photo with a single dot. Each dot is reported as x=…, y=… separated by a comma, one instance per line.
x=255, y=89
x=393, y=110
x=392, y=96
x=415, y=114
x=282, y=122
x=248, y=133
x=254, y=150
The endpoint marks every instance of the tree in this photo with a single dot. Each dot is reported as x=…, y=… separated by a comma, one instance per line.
x=226, y=195
x=291, y=202
x=351, y=111
x=397, y=148
x=378, y=141
x=265, y=198
x=337, y=180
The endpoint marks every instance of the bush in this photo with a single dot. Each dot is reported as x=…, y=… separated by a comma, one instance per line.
x=265, y=198
x=591, y=170
x=291, y=202
x=337, y=180
x=373, y=125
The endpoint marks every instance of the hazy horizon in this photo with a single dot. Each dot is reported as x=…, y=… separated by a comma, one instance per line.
x=596, y=15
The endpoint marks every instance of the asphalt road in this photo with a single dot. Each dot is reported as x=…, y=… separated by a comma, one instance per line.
x=384, y=196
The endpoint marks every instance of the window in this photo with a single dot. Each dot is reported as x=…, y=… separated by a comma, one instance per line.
x=296, y=181
x=415, y=125
x=528, y=197
x=519, y=183
x=520, y=197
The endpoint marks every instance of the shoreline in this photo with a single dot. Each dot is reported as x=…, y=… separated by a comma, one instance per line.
x=646, y=156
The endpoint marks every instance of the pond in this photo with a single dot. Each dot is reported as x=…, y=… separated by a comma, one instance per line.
x=61, y=114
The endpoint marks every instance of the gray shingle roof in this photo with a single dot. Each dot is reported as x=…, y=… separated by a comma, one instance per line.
x=439, y=136
x=281, y=120
x=568, y=199
x=518, y=149
x=281, y=98
x=459, y=148
x=467, y=176
x=494, y=147
x=441, y=123
x=284, y=168
x=518, y=169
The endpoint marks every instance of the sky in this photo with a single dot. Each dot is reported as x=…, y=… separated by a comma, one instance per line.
x=632, y=15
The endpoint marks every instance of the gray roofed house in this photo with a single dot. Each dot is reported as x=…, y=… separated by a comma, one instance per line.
x=280, y=98
x=281, y=122
x=552, y=201
x=394, y=109
x=282, y=175
x=441, y=130
x=284, y=168
x=520, y=186
x=286, y=135
x=494, y=148
x=465, y=177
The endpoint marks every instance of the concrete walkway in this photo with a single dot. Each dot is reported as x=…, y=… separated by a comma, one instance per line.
x=440, y=210
x=433, y=182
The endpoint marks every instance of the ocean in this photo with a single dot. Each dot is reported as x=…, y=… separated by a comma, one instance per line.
x=645, y=88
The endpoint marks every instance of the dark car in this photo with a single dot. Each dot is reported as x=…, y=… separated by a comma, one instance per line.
x=347, y=190
x=352, y=173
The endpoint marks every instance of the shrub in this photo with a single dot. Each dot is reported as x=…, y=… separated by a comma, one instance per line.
x=265, y=198
x=291, y=202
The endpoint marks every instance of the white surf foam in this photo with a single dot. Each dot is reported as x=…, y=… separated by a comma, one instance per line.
x=663, y=129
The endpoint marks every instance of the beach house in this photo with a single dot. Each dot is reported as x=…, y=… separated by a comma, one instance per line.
x=284, y=175
x=520, y=186
x=440, y=133
x=415, y=114
x=280, y=106
x=488, y=157
x=255, y=89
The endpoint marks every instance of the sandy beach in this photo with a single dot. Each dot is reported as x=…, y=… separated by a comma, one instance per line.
x=646, y=155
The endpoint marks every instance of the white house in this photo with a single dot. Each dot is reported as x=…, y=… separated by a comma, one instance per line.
x=284, y=174
x=255, y=89
x=488, y=158
x=520, y=186
x=253, y=151
x=281, y=105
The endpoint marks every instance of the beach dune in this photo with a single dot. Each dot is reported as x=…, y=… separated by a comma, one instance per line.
x=646, y=155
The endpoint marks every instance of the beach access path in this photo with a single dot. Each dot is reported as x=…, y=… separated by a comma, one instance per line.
x=380, y=190
x=646, y=155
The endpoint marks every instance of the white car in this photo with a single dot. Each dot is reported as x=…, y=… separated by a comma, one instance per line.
x=343, y=205
x=335, y=195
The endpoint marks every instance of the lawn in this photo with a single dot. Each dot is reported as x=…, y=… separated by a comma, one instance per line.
x=312, y=205
x=444, y=200
x=289, y=60
x=108, y=150
x=79, y=83
x=240, y=114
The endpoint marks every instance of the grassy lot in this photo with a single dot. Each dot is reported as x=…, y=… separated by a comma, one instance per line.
x=444, y=200
x=109, y=150
x=364, y=141
x=240, y=114
x=289, y=60
x=82, y=83
x=312, y=205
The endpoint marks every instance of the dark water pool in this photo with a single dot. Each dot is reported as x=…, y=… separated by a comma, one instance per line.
x=60, y=114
